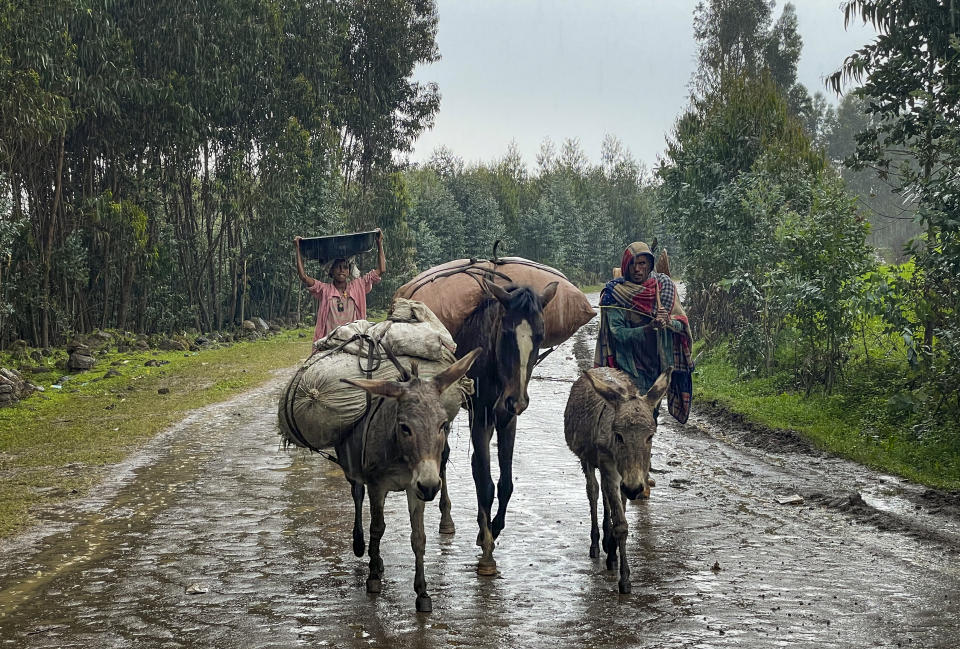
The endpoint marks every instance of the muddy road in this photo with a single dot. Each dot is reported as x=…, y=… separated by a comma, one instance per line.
x=215, y=537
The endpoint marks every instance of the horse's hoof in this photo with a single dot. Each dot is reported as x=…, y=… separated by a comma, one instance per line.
x=359, y=547
x=594, y=552
x=624, y=587
x=487, y=568
x=448, y=528
x=373, y=585
x=424, y=605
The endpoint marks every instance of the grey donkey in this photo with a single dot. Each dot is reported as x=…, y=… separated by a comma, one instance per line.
x=609, y=425
x=402, y=449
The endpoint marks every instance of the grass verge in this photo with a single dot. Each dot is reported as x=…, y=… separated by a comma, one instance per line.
x=854, y=423
x=55, y=445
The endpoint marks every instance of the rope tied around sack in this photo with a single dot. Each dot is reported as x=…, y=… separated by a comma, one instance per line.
x=376, y=349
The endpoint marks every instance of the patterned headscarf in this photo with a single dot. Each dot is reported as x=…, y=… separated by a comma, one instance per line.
x=632, y=252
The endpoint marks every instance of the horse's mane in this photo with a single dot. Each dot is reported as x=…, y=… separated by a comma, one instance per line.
x=483, y=325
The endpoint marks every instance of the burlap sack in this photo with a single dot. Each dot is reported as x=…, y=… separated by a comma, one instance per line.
x=453, y=290
x=323, y=409
x=318, y=406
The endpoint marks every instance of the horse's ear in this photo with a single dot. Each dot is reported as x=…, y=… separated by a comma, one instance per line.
x=549, y=293
x=389, y=389
x=658, y=389
x=608, y=391
x=452, y=374
x=497, y=291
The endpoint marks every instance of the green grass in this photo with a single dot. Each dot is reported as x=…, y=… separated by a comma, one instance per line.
x=56, y=444
x=855, y=422
x=593, y=288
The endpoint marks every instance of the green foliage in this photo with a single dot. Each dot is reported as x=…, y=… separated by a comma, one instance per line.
x=869, y=421
x=910, y=77
x=162, y=155
x=569, y=214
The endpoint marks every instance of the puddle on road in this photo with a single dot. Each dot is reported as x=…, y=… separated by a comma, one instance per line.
x=264, y=536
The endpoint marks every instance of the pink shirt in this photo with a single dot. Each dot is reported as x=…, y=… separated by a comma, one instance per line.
x=357, y=290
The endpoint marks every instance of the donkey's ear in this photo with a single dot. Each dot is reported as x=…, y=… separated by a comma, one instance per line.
x=497, y=291
x=549, y=293
x=658, y=389
x=389, y=389
x=608, y=391
x=452, y=374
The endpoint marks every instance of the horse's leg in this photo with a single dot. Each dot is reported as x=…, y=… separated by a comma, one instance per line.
x=610, y=483
x=593, y=491
x=481, y=429
x=446, y=520
x=506, y=436
x=377, y=527
x=418, y=540
x=357, y=491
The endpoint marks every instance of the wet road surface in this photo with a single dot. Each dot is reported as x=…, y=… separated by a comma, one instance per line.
x=215, y=537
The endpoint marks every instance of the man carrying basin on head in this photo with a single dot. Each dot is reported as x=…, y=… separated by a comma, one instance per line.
x=644, y=330
x=343, y=299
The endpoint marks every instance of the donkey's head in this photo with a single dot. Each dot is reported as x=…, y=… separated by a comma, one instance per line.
x=421, y=423
x=630, y=437
x=521, y=332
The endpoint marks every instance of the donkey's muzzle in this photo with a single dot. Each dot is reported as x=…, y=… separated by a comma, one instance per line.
x=633, y=493
x=427, y=492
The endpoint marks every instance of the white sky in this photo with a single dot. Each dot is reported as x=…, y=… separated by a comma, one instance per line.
x=528, y=69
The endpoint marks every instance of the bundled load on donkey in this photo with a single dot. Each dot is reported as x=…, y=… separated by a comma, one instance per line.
x=316, y=408
x=454, y=289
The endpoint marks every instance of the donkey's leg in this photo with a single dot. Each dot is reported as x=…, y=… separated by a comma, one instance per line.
x=481, y=429
x=608, y=545
x=506, y=436
x=418, y=540
x=377, y=526
x=593, y=491
x=618, y=524
x=446, y=520
x=357, y=491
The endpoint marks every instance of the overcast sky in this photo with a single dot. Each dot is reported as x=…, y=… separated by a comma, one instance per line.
x=524, y=70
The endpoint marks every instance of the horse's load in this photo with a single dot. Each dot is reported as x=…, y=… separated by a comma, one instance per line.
x=453, y=290
x=317, y=408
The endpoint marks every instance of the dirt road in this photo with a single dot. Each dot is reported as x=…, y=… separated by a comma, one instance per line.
x=215, y=537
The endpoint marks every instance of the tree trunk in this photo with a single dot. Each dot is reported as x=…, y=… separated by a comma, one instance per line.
x=48, y=246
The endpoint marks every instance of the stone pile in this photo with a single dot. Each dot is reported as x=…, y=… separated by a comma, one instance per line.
x=13, y=387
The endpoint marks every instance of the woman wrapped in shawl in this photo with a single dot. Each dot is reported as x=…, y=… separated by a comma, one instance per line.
x=642, y=336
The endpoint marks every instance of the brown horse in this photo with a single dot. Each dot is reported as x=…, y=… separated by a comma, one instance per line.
x=401, y=448
x=508, y=325
x=609, y=425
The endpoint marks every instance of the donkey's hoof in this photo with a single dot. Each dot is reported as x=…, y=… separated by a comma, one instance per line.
x=594, y=551
x=373, y=585
x=448, y=528
x=487, y=568
x=624, y=587
x=651, y=482
x=424, y=605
